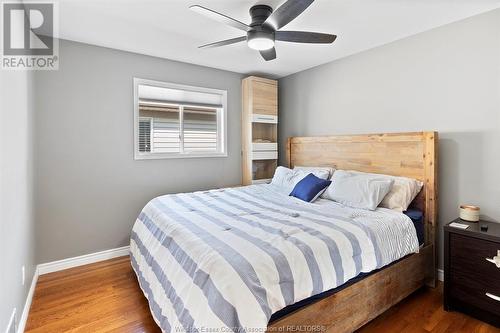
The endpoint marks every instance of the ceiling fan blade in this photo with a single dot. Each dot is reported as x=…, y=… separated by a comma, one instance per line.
x=224, y=42
x=287, y=12
x=304, y=37
x=268, y=54
x=220, y=17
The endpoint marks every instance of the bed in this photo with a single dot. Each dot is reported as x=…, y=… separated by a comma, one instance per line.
x=242, y=259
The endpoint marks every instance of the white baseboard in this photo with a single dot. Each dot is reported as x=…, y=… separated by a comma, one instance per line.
x=440, y=274
x=12, y=322
x=59, y=265
x=27, y=305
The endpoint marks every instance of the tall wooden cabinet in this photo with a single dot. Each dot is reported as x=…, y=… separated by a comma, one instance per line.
x=259, y=135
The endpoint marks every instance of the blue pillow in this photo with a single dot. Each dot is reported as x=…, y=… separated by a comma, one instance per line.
x=309, y=188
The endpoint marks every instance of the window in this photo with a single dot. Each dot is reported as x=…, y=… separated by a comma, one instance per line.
x=175, y=121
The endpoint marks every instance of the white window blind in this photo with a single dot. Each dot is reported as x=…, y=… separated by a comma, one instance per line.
x=145, y=135
x=188, y=96
x=180, y=122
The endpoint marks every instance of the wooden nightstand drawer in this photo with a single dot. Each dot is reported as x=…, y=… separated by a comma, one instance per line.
x=472, y=282
x=477, y=296
x=469, y=264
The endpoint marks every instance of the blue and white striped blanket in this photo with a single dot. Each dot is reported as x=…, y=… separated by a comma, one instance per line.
x=226, y=260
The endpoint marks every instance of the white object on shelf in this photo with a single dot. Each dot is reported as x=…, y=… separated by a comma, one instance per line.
x=261, y=181
x=459, y=225
x=264, y=155
x=263, y=146
x=264, y=118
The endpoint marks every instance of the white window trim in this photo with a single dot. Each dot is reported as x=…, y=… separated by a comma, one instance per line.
x=221, y=122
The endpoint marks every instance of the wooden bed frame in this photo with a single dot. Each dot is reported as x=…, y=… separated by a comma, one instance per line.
x=411, y=155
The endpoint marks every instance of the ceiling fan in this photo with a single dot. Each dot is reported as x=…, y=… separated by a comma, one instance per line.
x=262, y=33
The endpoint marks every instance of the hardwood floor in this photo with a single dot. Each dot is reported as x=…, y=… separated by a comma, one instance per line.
x=101, y=297
x=423, y=312
x=105, y=297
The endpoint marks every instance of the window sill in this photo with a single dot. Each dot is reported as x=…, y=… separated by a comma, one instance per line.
x=177, y=156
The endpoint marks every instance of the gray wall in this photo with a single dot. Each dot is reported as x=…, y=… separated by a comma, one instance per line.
x=89, y=188
x=16, y=189
x=446, y=79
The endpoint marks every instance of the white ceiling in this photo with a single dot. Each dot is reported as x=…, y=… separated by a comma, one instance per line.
x=168, y=29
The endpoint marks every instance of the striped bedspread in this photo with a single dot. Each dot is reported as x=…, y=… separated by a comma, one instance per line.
x=226, y=260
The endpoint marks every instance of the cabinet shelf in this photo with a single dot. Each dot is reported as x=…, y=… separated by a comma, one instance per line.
x=264, y=155
x=264, y=131
x=263, y=118
x=264, y=146
x=263, y=169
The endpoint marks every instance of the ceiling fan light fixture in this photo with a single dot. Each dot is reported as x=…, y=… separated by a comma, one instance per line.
x=260, y=44
x=260, y=40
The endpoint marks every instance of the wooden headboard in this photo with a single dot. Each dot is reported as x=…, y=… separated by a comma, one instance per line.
x=411, y=155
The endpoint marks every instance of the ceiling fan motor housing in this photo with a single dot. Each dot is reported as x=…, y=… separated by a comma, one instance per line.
x=259, y=14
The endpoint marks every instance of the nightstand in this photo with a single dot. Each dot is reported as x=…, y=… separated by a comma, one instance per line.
x=471, y=281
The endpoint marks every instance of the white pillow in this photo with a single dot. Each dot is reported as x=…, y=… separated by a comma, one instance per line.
x=281, y=176
x=286, y=178
x=358, y=190
x=402, y=193
x=320, y=172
